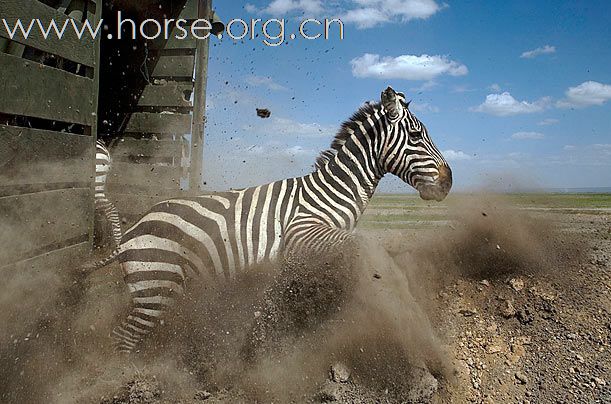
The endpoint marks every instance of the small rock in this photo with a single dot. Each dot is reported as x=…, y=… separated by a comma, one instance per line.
x=468, y=312
x=572, y=336
x=202, y=395
x=545, y=295
x=492, y=349
x=507, y=309
x=521, y=377
x=524, y=316
x=484, y=282
x=516, y=284
x=377, y=275
x=340, y=373
x=600, y=381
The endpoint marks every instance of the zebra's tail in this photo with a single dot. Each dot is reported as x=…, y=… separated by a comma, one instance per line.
x=88, y=268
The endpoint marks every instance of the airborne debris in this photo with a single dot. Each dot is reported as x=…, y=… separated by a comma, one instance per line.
x=263, y=113
x=340, y=373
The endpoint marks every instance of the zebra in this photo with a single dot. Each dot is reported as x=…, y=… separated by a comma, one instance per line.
x=103, y=164
x=219, y=235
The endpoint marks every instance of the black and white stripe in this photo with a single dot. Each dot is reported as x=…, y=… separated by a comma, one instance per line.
x=222, y=234
x=103, y=164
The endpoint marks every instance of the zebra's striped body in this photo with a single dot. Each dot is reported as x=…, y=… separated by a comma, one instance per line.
x=219, y=235
x=103, y=163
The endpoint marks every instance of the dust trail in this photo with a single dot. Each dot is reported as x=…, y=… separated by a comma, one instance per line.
x=364, y=308
x=490, y=238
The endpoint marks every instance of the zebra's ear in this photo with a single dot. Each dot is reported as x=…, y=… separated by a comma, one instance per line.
x=392, y=103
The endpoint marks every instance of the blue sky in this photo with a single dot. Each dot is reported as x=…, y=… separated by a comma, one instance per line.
x=517, y=93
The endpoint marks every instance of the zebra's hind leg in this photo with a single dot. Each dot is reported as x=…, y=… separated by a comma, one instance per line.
x=112, y=216
x=154, y=288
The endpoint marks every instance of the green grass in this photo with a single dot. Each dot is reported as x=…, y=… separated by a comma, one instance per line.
x=395, y=211
x=562, y=200
x=576, y=201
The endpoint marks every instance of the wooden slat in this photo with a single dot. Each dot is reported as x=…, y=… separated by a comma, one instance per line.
x=28, y=88
x=145, y=176
x=174, y=66
x=69, y=47
x=171, y=94
x=34, y=156
x=127, y=147
x=31, y=222
x=144, y=122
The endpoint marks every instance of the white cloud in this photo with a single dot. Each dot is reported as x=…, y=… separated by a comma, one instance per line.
x=505, y=105
x=527, y=136
x=365, y=17
x=494, y=87
x=454, y=155
x=548, y=122
x=363, y=13
x=586, y=94
x=407, y=67
x=369, y=13
x=282, y=7
x=547, y=49
x=260, y=81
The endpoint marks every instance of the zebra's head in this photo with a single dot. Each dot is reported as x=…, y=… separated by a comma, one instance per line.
x=408, y=152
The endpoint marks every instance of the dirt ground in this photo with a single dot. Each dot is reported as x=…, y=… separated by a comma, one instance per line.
x=496, y=305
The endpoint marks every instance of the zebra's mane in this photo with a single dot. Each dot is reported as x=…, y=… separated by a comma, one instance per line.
x=344, y=133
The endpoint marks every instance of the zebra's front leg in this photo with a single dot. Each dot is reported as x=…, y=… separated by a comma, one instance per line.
x=155, y=287
x=314, y=281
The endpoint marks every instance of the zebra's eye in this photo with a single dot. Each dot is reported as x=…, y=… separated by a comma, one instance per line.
x=415, y=135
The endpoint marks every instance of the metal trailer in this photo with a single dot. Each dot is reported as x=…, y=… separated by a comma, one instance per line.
x=58, y=96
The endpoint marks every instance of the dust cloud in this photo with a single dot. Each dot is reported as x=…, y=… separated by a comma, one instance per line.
x=272, y=335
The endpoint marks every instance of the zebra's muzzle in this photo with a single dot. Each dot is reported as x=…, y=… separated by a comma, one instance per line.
x=439, y=189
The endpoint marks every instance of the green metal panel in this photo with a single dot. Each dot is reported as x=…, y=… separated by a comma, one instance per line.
x=31, y=89
x=174, y=66
x=145, y=175
x=69, y=47
x=168, y=94
x=34, y=156
x=34, y=224
x=46, y=194
x=145, y=122
x=129, y=147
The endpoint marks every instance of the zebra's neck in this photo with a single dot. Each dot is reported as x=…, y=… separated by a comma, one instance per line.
x=352, y=175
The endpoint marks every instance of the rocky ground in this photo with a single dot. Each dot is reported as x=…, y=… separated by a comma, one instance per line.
x=519, y=303
x=520, y=334
x=535, y=337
